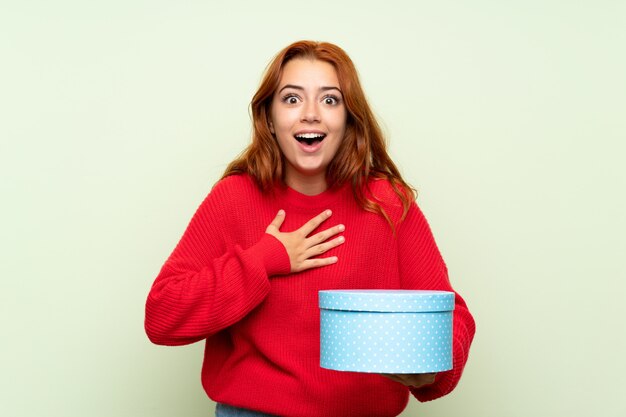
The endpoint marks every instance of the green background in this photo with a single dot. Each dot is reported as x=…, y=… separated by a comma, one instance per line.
x=117, y=117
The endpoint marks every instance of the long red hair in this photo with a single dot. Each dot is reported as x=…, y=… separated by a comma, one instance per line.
x=362, y=155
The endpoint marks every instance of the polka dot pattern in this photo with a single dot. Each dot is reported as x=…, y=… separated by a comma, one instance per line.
x=394, y=341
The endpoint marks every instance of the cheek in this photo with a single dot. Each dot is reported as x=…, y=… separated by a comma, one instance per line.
x=338, y=122
x=283, y=121
x=282, y=142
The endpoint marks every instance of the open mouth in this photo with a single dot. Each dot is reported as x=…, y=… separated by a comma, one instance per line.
x=310, y=139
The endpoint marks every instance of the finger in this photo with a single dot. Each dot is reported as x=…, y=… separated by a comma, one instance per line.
x=317, y=262
x=313, y=224
x=394, y=378
x=412, y=380
x=326, y=234
x=403, y=379
x=419, y=380
x=430, y=378
x=277, y=222
x=324, y=247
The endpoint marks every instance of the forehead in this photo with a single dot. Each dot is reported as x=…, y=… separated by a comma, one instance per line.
x=309, y=72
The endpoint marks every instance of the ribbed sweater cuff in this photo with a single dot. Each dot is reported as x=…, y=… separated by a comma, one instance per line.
x=272, y=254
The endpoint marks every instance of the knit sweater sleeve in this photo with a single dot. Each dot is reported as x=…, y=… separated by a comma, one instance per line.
x=422, y=267
x=208, y=283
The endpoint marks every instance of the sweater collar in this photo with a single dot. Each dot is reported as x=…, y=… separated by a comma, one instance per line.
x=318, y=201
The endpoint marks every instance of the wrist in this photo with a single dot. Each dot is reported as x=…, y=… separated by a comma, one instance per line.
x=272, y=254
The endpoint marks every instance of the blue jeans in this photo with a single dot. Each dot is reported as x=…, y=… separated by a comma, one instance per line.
x=223, y=410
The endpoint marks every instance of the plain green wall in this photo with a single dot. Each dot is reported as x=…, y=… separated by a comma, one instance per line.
x=116, y=117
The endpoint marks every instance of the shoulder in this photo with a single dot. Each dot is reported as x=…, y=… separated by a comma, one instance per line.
x=234, y=185
x=231, y=191
x=382, y=192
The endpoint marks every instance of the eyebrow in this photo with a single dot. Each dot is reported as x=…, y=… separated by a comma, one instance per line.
x=297, y=87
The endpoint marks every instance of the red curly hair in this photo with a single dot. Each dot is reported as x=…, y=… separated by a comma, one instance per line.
x=362, y=154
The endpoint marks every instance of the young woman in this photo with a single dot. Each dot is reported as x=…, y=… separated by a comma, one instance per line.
x=313, y=203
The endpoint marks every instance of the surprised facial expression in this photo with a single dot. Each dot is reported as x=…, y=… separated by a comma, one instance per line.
x=308, y=118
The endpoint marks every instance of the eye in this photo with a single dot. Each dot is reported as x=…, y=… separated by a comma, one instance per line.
x=331, y=100
x=291, y=99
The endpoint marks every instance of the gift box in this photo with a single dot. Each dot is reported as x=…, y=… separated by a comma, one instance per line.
x=386, y=331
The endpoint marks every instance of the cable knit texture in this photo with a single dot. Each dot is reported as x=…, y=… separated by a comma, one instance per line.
x=228, y=282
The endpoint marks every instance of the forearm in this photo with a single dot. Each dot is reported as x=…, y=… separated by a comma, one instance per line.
x=189, y=303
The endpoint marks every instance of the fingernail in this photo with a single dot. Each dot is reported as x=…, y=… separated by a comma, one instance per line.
x=342, y=227
x=328, y=212
x=342, y=239
x=281, y=212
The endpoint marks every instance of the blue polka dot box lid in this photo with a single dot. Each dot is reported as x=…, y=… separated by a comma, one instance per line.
x=394, y=301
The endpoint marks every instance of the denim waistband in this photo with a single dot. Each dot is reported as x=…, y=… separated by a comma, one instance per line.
x=223, y=410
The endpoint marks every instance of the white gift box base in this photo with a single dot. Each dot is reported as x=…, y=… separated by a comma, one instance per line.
x=386, y=331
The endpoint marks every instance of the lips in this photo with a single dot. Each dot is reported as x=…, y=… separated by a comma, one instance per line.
x=310, y=138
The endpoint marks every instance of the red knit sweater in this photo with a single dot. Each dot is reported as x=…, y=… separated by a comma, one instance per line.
x=228, y=282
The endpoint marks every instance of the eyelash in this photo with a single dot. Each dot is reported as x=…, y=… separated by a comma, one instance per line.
x=336, y=99
x=286, y=98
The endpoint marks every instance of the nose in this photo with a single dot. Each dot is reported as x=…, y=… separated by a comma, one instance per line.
x=310, y=112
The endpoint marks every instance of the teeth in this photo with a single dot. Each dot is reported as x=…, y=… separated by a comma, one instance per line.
x=310, y=135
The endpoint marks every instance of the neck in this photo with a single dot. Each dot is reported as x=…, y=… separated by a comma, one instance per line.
x=307, y=185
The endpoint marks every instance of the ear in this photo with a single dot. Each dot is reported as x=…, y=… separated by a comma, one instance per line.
x=271, y=127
